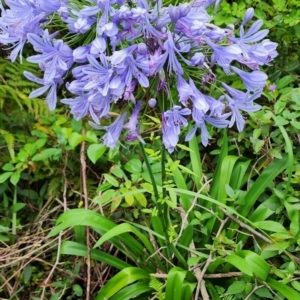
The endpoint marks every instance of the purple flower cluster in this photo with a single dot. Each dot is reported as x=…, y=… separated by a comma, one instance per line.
x=137, y=43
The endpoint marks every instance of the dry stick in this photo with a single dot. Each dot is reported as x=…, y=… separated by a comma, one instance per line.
x=201, y=286
x=223, y=275
x=61, y=232
x=9, y=287
x=254, y=232
x=253, y=291
x=247, y=227
x=15, y=274
x=184, y=215
x=86, y=205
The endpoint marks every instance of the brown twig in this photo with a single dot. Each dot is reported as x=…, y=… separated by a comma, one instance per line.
x=247, y=227
x=86, y=205
x=61, y=232
x=184, y=215
x=201, y=286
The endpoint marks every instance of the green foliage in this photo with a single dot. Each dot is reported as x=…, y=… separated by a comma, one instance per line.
x=158, y=223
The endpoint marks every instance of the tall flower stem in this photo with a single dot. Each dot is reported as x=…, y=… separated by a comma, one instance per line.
x=150, y=172
x=160, y=206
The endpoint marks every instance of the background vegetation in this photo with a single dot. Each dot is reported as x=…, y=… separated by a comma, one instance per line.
x=78, y=221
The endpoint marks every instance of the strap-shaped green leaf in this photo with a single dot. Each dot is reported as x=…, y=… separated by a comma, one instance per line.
x=124, y=278
x=258, y=265
x=132, y=291
x=285, y=290
x=73, y=248
x=240, y=263
x=174, y=287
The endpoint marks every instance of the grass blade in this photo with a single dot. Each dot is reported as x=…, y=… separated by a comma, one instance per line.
x=196, y=161
x=174, y=284
x=132, y=291
x=285, y=290
x=217, y=175
x=259, y=186
x=73, y=248
x=124, y=278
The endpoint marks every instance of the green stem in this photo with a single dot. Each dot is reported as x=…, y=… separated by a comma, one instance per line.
x=14, y=215
x=150, y=172
x=161, y=208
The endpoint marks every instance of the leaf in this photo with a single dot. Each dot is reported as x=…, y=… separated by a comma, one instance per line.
x=75, y=139
x=133, y=166
x=295, y=124
x=141, y=199
x=14, y=178
x=27, y=273
x=77, y=289
x=188, y=289
x=279, y=106
x=257, y=144
x=258, y=265
x=295, y=224
x=100, y=224
x=285, y=290
x=44, y=154
x=122, y=228
x=284, y=81
x=95, y=151
x=132, y=291
x=8, y=167
x=129, y=199
x=264, y=293
x=296, y=285
x=280, y=121
x=17, y=206
x=110, y=179
x=5, y=176
x=77, y=249
x=275, y=153
x=236, y=287
x=270, y=226
x=260, y=184
x=121, y=280
x=91, y=137
x=76, y=125
x=174, y=284
x=239, y=263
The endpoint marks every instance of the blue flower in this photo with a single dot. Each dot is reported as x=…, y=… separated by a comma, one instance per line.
x=80, y=53
x=113, y=131
x=175, y=118
x=170, y=137
x=169, y=55
x=215, y=118
x=15, y=23
x=51, y=97
x=56, y=55
x=240, y=101
x=255, y=80
x=133, y=125
x=223, y=56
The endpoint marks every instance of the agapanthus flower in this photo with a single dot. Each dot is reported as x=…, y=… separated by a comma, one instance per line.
x=239, y=100
x=15, y=24
x=56, y=55
x=223, y=56
x=51, y=87
x=113, y=131
x=152, y=102
x=253, y=80
x=133, y=125
x=137, y=45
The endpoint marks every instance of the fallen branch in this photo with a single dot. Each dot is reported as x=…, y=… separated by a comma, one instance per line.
x=86, y=205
